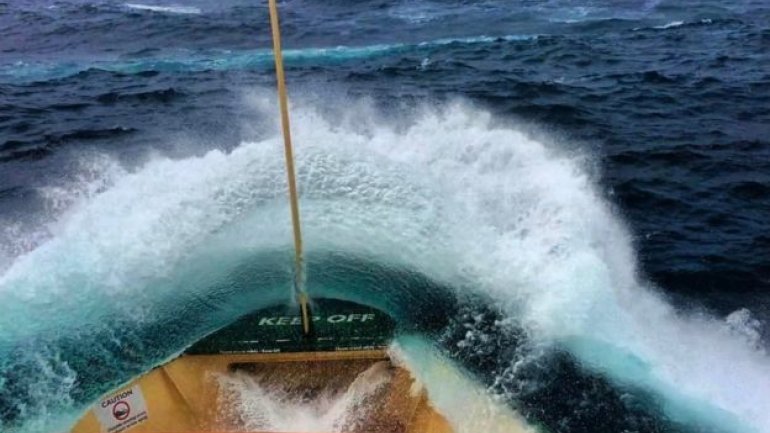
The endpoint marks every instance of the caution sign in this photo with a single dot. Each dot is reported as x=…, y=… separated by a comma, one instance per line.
x=122, y=410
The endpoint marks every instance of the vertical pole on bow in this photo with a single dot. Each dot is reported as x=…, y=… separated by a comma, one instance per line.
x=299, y=268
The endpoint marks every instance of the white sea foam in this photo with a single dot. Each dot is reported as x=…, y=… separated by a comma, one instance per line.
x=269, y=407
x=672, y=24
x=466, y=405
x=175, y=9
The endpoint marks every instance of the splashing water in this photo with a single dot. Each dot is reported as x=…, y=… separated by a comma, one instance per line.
x=265, y=408
x=454, y=195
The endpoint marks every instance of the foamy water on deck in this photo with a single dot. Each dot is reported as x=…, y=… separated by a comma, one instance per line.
x=261, y=407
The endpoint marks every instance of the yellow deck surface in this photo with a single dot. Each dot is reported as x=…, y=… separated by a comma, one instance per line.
x=210, y=393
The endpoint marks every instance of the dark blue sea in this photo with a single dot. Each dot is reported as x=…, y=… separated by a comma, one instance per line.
x=568, y=202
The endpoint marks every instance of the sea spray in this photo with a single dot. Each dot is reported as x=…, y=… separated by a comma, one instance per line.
x=453, y=195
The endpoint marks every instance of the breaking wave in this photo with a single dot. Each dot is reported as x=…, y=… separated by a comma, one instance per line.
x=213, y=60
x=449, y=206
x=186, y=10
x=670, y=25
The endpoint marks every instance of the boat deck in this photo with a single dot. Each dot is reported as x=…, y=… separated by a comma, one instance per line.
x=354, y=391
x=260, y=375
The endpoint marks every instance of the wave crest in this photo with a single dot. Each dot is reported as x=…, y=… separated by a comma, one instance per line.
x=182, y=10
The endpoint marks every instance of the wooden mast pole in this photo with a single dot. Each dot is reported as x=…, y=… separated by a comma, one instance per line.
x=299, y=268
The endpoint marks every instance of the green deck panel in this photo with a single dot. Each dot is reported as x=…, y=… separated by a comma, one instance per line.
x=337, y=325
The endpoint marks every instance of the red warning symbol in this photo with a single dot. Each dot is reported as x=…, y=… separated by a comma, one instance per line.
x=121, y=410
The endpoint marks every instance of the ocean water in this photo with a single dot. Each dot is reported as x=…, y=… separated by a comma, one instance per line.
x=564, y=203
